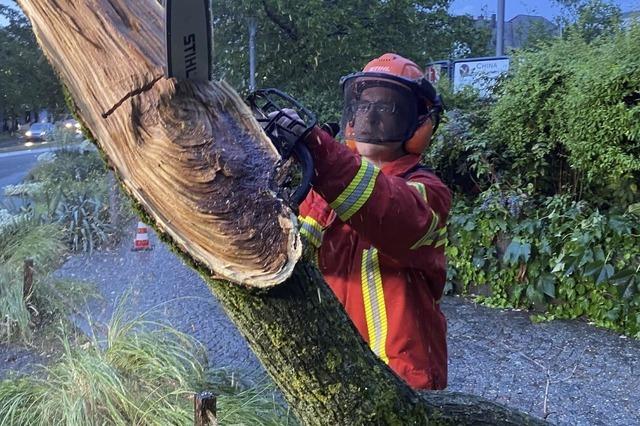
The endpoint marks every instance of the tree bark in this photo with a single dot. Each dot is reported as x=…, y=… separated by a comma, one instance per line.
x=109, y=53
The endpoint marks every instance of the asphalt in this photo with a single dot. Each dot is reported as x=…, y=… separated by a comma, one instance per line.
x=18, y=144
x=567, y=371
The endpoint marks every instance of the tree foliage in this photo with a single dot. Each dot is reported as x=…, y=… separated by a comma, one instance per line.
x=589, y=19
x=551, y=172
x=27, y=81
x=568, y=118
x=305, y=47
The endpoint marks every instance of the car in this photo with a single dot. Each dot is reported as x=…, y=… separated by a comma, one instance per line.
x=39, y=132
x=71, y=125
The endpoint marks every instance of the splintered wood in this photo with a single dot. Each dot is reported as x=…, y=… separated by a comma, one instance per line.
x=190, y=153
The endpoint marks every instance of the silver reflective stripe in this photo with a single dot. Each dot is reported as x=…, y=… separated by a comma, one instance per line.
x=374, y=303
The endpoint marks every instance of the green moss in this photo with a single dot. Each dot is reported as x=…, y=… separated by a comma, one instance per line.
x=333, y=361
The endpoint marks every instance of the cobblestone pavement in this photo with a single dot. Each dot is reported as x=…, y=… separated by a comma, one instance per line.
x=584, y=375
x=19, y=359
x=572, y=372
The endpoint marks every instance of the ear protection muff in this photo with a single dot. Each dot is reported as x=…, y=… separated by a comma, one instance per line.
x=421, y=138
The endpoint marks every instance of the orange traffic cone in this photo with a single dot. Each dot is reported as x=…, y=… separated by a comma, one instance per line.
x=142, y=238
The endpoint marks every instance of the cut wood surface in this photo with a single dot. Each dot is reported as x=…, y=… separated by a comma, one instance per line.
x=190, y=153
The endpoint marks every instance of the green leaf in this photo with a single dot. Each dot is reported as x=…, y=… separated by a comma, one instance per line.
x=613, y=314
x=534, y=295
x=620, y=225
x=593, y=268
x=630, y=291
x=634, y=209
x=623, y=278
x=606, y=272
x=558, y=267
x=515, y=251
x=547, y=283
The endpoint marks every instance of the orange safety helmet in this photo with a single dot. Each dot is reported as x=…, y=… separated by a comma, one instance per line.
x=389, y=70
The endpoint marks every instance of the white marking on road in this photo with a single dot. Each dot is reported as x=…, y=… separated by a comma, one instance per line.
x=25, y=152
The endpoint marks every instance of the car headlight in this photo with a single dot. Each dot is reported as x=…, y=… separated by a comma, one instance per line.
x=28, y=134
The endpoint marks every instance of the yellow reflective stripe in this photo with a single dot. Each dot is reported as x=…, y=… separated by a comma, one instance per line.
x=421, y=189
x=357, y=193
x=442, y=234
x=427, y=238
x=311, y=230
x=352, y=186
x=374, y=306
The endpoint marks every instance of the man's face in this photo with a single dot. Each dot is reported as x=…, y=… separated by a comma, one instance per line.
x=378, y=110
x=378, y=115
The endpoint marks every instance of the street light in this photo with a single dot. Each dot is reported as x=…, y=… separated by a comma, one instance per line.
x=500, y=29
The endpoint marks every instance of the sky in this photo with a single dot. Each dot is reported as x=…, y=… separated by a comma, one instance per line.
x=546, y=8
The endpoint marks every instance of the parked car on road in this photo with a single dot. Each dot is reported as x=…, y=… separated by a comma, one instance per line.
x=39, y=132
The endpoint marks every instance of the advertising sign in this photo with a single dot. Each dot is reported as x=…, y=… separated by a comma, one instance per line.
x=435, y=70
x=480, y=73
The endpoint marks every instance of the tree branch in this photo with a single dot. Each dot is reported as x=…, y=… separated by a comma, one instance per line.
x=281, y=22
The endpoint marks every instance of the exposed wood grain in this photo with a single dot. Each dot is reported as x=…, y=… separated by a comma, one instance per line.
x=190, y=153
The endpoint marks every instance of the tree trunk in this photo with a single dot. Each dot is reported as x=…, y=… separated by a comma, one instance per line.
x=109, y=54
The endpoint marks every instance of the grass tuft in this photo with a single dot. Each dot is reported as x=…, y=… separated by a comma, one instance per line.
x=143, y=373
x=20, y=239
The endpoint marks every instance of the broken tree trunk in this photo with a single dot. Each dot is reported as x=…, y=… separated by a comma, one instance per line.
x=202, y=171
x=191, y=155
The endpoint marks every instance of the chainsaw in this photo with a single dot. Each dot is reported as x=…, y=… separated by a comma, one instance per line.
x=287, y=123
x=188, y=48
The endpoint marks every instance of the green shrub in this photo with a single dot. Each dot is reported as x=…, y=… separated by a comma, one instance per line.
x=547, y=177
x=73, y=191
x=68, y=166
x=85, y=219
x=566, y=122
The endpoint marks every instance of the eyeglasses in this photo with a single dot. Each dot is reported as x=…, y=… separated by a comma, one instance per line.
x=364, y=107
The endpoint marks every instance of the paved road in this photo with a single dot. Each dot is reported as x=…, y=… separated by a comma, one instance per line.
x=571, y=372
x=14, y=166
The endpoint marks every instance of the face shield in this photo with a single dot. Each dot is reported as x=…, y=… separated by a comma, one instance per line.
x=378, y=109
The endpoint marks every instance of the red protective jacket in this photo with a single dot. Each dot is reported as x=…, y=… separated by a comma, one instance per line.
x=381, y=236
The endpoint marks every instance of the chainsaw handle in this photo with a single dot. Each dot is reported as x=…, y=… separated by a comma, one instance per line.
x=302, y=154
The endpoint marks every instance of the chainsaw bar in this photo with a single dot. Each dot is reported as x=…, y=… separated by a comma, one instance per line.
x=188, y=39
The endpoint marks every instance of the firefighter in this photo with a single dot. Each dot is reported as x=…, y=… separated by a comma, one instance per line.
x=377, y=217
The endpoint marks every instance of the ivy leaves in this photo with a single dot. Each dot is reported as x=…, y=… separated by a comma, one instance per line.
x=558, y=255
x=517, y=251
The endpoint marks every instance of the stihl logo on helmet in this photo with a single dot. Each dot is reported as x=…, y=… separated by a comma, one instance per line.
x=379, y=68
x=390, y=101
